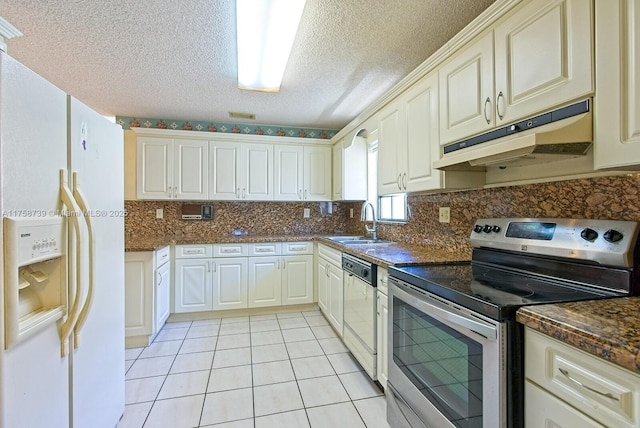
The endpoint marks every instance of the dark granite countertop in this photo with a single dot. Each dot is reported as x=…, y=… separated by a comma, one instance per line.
x=386, y=255
x=609, y=328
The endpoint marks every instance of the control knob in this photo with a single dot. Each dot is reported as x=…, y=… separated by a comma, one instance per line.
x=589, y=234
x=612, y=235
x=496, y=228
x=477, y=228
x=365, y=273
x=487, y=228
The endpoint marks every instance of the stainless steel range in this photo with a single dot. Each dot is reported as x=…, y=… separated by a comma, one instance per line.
x=455, y=350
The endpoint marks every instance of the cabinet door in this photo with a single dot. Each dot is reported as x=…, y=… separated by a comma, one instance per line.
x=154, y=168
x=422, y=140
x=192, y=285
x=383, y=334
x=317, y=174
x=617, y=120
x=466, y=92
x=257, y=172
x=322, y=273
x=297, y=280
x=288, y=166
x=543, y=410
x=543, y=58
x=162, y=295
x=224, y=176
x=138, y=297
x=230, y=283
x=265, y=281
x=336, y=193
x=191, y=169
x=336, y=299
x=390, y=137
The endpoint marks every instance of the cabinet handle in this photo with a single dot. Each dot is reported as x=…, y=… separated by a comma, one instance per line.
x=404, y=181
x=487, y=102
x=159, y=275
x=296, y=248
x=500, y=95
x=588, y=388
x=299, y=193
x=208, y=266
x=305, y=194
x=326, y=270
x=278, y=264
x=175, y=192
x=214, y=266
x=238, y=193
x=398, y=182
x=284, y=264
x=244, y=193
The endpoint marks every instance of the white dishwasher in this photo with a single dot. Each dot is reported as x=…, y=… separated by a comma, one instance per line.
x=360, y=311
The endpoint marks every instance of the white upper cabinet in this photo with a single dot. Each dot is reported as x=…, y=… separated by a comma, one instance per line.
x=302, y=173
x=409, y=141
x=390, y=137
x=155, y=168
x=466, y=92
x=617, y=124
x=172, y=168
x=240, y=171
x=541, y=57
x=191, y=168
x=422, y=148
x=350, y=167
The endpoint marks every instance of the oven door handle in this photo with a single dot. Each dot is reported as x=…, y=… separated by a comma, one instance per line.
x=441, y=311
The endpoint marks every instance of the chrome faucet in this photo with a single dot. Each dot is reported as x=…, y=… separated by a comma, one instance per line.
x=363, y=217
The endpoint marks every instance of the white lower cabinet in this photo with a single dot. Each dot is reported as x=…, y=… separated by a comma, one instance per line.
x=331, y=286
x=238, y=276
x=566, y=387
x=230, y=283
x=147, y=295
x=382, y=327
x=193, y=285
x=297, y=279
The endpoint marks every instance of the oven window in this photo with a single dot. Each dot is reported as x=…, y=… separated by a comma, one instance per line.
x=445, y=365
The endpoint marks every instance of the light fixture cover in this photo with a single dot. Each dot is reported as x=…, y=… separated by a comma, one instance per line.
x=265, y=33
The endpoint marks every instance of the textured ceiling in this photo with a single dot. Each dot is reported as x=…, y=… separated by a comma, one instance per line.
x=176, y=59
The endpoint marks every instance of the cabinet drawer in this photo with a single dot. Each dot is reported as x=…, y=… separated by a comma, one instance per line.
x=266, y=249
x=332, y=255
x=607, y=393
x=546, y=410
x=230, y=250
x=193, y=251
x=293, y=248
x=162, y=256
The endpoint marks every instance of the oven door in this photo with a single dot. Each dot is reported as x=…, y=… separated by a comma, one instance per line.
x=446, y=363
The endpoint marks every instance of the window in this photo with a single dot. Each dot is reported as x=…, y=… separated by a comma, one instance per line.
x=390, y=207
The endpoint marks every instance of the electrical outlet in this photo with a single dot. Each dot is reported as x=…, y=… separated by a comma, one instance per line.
x=444, y=216
x=350, y=212
x=306, y=213
x=159, y=213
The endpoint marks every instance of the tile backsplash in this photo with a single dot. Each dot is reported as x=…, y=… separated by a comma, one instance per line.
x=613, y=197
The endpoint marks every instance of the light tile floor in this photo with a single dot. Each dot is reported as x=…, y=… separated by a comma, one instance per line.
x=278, y=370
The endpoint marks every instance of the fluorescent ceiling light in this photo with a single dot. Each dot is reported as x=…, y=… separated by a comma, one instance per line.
x=265, y=33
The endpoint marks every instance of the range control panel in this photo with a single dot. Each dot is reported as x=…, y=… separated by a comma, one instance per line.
x=608, y=242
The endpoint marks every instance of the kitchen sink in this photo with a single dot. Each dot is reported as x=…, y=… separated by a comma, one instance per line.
x=357, y=240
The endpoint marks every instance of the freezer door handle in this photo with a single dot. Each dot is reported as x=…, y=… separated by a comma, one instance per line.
x=74, y=311
x=86, y=213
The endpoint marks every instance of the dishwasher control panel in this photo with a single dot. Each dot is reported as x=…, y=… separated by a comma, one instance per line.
x=363, y=269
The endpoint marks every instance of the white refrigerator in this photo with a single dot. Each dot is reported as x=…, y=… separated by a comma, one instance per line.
x=49, y=378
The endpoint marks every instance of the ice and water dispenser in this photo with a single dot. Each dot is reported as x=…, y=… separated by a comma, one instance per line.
x=34, y=275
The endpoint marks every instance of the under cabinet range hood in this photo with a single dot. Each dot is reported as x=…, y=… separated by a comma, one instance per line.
x=560, y=134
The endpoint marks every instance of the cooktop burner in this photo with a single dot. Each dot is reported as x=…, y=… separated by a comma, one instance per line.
x=494, y=292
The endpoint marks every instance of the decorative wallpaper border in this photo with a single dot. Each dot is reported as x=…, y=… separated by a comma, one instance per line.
x=228, y=128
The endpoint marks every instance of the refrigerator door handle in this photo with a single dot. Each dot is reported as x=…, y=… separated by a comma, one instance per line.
x=86, y=212
x=72, y=314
